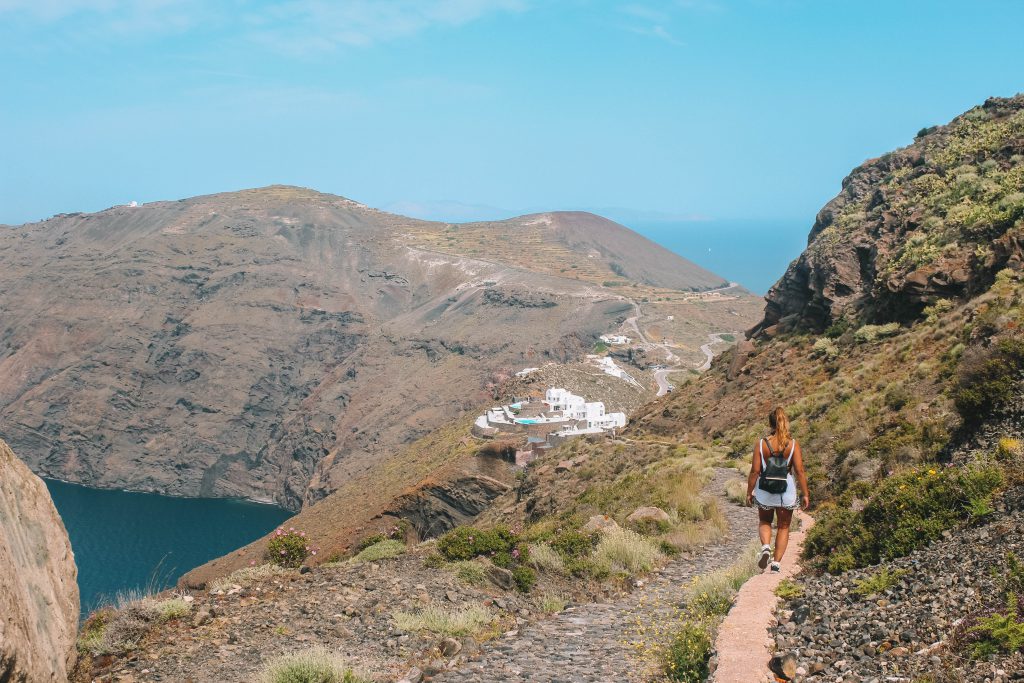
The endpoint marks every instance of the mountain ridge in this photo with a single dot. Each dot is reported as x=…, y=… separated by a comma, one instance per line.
x=270, y=343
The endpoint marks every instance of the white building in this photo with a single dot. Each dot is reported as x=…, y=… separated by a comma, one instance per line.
x=615, y=339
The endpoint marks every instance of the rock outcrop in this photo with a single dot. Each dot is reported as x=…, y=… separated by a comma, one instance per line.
x=934, y=220
x=38, y=580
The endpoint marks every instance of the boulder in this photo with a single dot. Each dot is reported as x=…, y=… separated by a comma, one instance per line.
x=600, y=523
x=648, y=514
x=500, y=577
x=38, y=580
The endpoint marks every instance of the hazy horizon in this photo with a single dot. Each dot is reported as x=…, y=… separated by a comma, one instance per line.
x=722, y=109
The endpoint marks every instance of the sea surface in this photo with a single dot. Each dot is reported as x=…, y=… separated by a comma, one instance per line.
x=752, y=253
x=127, y=541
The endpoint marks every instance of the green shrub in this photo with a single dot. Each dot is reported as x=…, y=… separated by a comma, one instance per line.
x=905, y=512
x=499, y=544
x=524, y=577
x=878, y=583
x=688, y=652
x=370, y=540
x=988, y=378
x=317, y=665
x=571, y=544
x=288, y=548
x=789, y=589
x=999, y=632
x=466, y=542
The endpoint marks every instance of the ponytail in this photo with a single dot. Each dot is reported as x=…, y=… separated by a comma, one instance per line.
x=779, y=423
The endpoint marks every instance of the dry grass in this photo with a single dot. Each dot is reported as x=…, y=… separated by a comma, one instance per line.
x=248, y=575
x=625, y=551
x=172, y=608
x=714, y=592
x=316, y=665
x=736, y=491
x=443, y=621
x=383, y=550
x=469, y=572
x=552, y=604
x=544, y=558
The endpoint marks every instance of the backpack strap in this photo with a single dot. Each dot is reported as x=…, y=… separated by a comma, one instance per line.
x=792, y=449
x=760, y=451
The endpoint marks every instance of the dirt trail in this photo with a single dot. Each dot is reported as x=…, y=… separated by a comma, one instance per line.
x=743, y=645
x=588, y=643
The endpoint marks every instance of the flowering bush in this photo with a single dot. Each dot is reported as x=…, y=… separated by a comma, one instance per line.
x=688, y=652
x=499, y=544
x=289, y=548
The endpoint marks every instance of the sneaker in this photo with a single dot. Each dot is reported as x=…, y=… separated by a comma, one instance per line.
x=776, y=568
x=766, y=554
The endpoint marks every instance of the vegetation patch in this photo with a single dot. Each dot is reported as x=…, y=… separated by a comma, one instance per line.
x=627, y=552
x=382, y=550
x=879, y=583
x=444, y=622
x=316, y=665
x=499, y=545
x=789, y=589
x=248, y=575
x=988, y=378
x=288, y=548
x=905, y=512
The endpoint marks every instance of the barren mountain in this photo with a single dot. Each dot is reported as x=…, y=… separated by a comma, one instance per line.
x=272, y=343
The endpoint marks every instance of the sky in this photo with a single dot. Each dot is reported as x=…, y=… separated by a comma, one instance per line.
x=674, y=110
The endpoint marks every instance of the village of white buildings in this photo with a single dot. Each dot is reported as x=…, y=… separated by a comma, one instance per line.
x=558, y=417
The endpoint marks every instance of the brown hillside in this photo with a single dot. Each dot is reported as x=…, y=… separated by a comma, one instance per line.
x=274, y=343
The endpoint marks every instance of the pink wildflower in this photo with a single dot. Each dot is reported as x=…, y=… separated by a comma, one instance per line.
x=282, y=552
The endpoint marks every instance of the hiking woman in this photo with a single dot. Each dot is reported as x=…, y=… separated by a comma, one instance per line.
x=772, y=487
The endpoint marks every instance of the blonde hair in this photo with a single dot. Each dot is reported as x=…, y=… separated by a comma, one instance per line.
x=779, y=423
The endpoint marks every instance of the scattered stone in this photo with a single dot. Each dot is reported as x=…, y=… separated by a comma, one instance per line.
x=648, y=514
x=602, y=523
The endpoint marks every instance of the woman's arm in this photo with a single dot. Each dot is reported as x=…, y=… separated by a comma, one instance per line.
x=755, y=471
x=801, y=476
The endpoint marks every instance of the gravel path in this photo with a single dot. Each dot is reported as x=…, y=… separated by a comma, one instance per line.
x=588, y=642
x=744, y=645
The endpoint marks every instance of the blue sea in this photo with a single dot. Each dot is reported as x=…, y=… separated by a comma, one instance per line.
x=125, y=541
x=752, y=253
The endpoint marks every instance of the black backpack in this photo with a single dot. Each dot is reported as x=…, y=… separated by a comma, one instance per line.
x=775, y=472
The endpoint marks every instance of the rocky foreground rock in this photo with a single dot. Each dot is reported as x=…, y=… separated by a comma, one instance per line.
x=908, y=631
x=38, y=580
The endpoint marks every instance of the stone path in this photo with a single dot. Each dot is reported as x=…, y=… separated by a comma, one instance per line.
x=744, y=645
x=587, y=643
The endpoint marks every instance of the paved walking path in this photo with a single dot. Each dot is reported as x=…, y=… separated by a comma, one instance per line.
x=588, y=643
x=743, y=644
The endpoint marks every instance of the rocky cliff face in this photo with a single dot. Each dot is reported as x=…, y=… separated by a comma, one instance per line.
x=38, y=580
x=270, y=344
x=934, y=220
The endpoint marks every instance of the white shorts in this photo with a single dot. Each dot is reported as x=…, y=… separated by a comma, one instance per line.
x=787, y=500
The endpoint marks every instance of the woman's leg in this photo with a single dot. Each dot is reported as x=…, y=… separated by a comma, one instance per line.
x=782, y=533
x=764, y=526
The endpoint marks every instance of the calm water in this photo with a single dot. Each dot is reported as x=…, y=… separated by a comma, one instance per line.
x=131, y=540
x=753, y=253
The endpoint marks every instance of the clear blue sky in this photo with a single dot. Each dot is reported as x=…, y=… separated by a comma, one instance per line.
x=727, y=109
